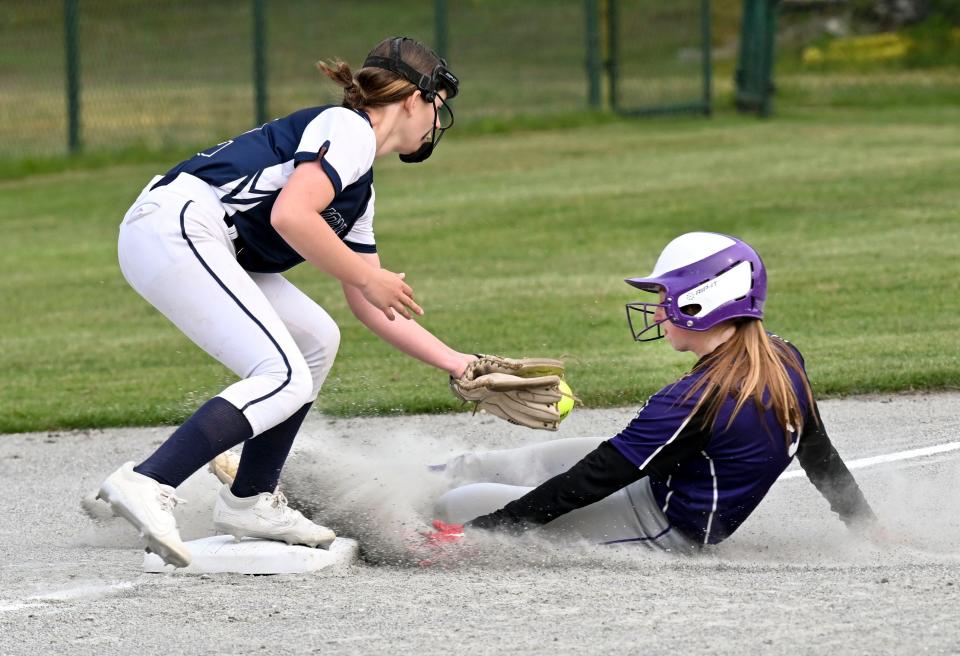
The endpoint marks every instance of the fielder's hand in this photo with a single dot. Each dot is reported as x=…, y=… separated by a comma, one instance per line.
x=523, y=391
x=386, y=291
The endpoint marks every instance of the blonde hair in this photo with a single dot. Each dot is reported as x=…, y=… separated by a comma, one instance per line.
x=376, y=87
x=750, y=365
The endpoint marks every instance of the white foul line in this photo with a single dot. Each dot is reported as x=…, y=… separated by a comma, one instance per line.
x=75, y=593
x=889, y=457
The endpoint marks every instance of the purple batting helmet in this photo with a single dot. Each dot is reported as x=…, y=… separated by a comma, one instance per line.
x=706, y=278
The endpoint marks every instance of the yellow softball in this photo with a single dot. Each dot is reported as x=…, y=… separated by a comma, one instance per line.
x=565, y=405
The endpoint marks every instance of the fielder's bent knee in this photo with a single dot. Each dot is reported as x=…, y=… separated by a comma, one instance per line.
x=331, y=337
x=320, y=358
x=273, y=393
x=300, y=388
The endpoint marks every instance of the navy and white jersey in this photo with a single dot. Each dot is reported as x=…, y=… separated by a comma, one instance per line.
x=707, y=480
x=248, y=173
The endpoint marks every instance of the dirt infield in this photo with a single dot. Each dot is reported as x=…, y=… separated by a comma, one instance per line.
x=792, y=580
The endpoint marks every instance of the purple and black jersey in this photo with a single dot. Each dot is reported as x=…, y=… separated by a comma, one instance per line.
x=706, y=479
x=248, y=172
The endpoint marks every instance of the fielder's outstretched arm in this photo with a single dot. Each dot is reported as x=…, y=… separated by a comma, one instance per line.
x=407, y=336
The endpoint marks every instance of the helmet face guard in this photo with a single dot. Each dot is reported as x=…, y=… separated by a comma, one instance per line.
x=716, y=278
x=441, y=78
x=646, y=311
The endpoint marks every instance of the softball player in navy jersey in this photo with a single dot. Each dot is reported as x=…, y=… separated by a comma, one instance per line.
x=700, y=455
x=206, y=244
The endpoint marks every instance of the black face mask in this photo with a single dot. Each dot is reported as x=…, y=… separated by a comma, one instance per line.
x=429, y=86
x=445, y=115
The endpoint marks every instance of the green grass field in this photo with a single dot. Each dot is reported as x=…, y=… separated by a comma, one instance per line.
x=518, y=244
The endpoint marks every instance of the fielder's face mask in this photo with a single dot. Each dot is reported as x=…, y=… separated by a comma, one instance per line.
x=429, y=86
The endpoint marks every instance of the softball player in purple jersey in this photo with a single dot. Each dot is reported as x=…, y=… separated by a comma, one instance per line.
x=206, y=244
x=701, y=453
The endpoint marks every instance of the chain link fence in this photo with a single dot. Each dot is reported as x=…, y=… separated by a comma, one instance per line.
x=148, y=75
x=662, y=54
x=183, y=73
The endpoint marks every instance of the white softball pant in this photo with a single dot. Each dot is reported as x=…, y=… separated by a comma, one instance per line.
x=628, y=515
x=176, y=251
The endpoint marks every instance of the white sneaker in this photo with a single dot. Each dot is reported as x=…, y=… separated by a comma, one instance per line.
x=267, y=516
x=147, y=505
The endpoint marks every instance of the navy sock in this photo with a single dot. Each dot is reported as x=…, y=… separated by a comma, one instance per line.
x=263, y=456
x=212, y=429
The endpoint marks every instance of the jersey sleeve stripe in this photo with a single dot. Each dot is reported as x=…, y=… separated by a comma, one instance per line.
x=310, y=156
x=360, y=248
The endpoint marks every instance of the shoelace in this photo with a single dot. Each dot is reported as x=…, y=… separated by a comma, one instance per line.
x=169, y=500
x=279, y=501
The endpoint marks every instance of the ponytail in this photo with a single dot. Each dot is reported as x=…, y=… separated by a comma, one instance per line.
x=370, y=87
x=339, y=71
